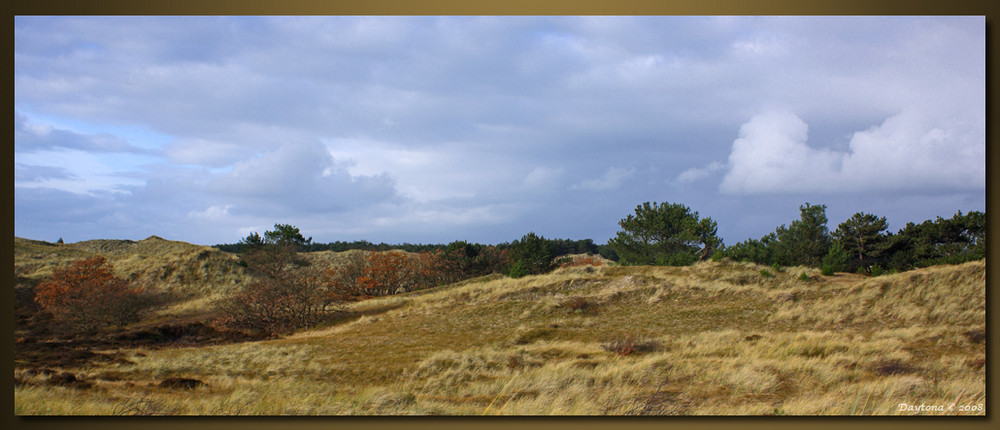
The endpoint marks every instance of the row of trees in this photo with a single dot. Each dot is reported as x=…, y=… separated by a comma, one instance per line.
x=560, y=246
x=863, y=243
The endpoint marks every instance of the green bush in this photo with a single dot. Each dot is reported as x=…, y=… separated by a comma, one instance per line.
x=518, y=270
x=827, y=270
x=765, y=273
x=803, y=277
x=876, y=270
x=836, y=259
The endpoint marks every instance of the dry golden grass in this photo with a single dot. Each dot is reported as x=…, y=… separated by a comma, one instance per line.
x=718, y=339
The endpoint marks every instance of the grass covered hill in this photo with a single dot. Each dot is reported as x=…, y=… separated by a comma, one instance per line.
x=708, y=339
x=179, y=268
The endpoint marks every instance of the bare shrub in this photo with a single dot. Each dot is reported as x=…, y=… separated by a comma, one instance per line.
x=628, y=345
x=375, y=273
x=279, y=305
x=285, y=296
x=88, y=295
x=578, y=304
x=139, y=405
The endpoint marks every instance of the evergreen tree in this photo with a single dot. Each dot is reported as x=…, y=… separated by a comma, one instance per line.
x=666, y=234
x=806, y=240
x=836, y=260
x=532, y=254
x=863, y=237
x=286, y=234
x=942, y=241
x=252, y=240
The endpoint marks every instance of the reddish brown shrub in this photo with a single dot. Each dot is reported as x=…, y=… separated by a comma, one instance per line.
x=427, y=269
x=286, y=295
x=280, y=305
x=622, y=347
x=579, y=304
x=88, y=295
x=625, y=346
x=385, y=273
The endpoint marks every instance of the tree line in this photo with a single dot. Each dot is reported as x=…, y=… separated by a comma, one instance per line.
x=673, y=234
x=863, y=243
x=560, y=246
x=289, y=293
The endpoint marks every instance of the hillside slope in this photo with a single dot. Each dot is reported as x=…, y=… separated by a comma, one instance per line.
x=709, y=339
x=180, y=268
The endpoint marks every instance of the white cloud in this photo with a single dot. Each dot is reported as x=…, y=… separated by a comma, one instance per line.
x=300, y=177
x=611, y=179
x=543, y=178
x=698, y=173
x=212, y=213
x=426, y=174
x=908, y=152
x=205, y=152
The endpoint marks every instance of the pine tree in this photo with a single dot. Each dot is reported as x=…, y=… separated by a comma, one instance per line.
x=863, y=237
x=667, y=234
x=533, y=254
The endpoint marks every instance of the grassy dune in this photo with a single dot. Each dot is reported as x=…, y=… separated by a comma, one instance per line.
x=709, y=339
x=193, y=275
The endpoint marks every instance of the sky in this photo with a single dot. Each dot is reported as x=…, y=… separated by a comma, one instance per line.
x=431, y=129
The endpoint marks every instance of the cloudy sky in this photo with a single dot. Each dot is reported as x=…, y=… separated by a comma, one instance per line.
x=434, y=129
